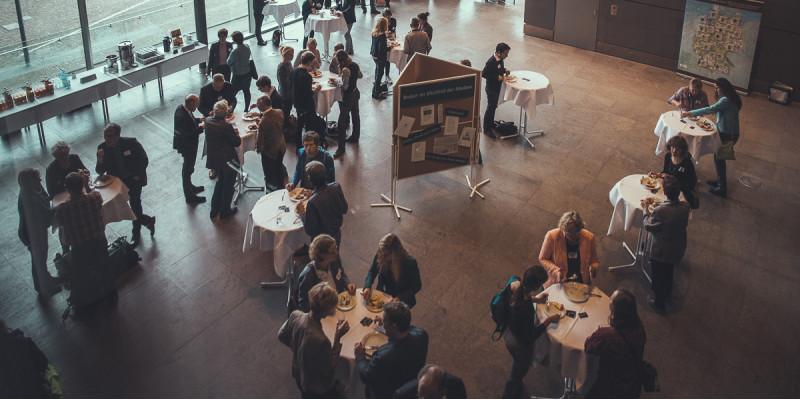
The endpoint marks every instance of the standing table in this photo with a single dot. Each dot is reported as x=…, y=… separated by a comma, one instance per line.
x=115, y=202
x=280, y=9
x=325, y=23
x=700, y=142
x=248, y=144
x=528, y=91
x=329, y=94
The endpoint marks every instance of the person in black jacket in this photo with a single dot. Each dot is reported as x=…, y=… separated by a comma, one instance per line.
x=432, y=383
x=258, y=15
x=222, y=141
x=522, y=328
x=264, y=85
x=325, y=266
x=397, y=271
x=348, y=9
x=218, y=89
x=493, y=72
x=186, y=137
x=218, y=57
x=126, y=159
x=348, y=107
x=678, y=163
x=303, y=95
x=380, y=54
x=23, y=367
x=57, y=171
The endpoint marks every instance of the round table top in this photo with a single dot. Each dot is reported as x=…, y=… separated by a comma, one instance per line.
x=528, y=80
x=572, y=332
x=279, y=3
x=270, y=212
x=323, y=80
x=686, y=126
x=354, y=317
x=632, y=191
x=108, y=192
x=323, y=16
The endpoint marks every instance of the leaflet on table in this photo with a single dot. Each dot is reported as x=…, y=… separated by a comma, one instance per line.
x=451, y=126
x=466, y=136
x=404, y=126
x=445, y=144
x=418, y=152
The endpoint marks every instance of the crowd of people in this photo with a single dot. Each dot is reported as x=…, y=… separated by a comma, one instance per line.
x=568, y=253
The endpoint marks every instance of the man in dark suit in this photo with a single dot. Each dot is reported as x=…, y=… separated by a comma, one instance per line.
x=493, y=72
x=186, y=138
x=218, y=89
x=222, y=141
x=433, y=383
x=264, y=85
x=667, y=227
x=303, y=94
x=218, y=56
x=126, y=159
x=258, y=15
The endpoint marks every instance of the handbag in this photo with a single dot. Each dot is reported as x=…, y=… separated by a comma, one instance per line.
x=646, y=372
x=504, y=128
x=726, y=151
x=122, y=256
x=253, y=71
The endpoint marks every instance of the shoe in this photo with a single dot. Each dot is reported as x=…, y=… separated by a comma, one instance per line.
x=713, y=183
x=364, y=9
x=135, y=239
x=381, y=96
x=213, y=214
x=195, y=200
x=374, y=11
x=339, y=153
x=718, y=191
x=198, y=189
x=229, y=213
x=351, y=139
x=652, y=301
x=151, y=226
x=262, y=43
x=212, y=174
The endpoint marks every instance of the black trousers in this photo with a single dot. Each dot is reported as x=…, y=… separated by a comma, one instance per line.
x=274, y=171
x=309, y=120
x=189, y=158
x=90, y=273
x=223, y=191
x=662, y=281
x=135, y=194
x=242, y=82
x=225, y=70
x=492, y=97
x=305, y=38
x=380, y=66
x=348, y=107
x=521, y=359
x=259, y=19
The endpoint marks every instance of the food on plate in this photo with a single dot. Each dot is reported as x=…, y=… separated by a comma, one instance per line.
x=375, y=303
x=346, y=301
x=652, y=202
x=297, y=194
x=705, y=125
x=252, y=127
x=649, y=182
x=655, y=175
x=252, y=114
x=510, y=78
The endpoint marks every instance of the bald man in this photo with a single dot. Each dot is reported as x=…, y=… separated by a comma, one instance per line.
x=432, y=383
x=186, y=138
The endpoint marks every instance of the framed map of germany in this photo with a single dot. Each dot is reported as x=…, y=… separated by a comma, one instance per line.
x=719, y=39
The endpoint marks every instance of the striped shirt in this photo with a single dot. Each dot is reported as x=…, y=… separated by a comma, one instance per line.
x=325, y=211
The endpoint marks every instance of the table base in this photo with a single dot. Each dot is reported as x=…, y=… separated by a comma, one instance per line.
x=475, y=187
x=390, y=203
x=288, y=282
x=241, y=183
x=639, y=257
x=523, y=131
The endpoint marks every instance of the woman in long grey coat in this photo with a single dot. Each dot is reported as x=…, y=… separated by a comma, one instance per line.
x=35, y=216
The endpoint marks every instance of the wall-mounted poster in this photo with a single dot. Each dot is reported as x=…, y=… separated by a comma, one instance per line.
x=719, y=39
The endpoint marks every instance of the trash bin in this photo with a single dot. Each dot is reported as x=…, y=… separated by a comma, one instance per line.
x=779, y=92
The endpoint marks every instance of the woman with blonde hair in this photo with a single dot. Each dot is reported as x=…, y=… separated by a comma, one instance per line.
x=380, y=54
x=285, y=82
x=569, y=252
x=35, y=216
x=325, y=266
x=396, y=270
x=312, y=47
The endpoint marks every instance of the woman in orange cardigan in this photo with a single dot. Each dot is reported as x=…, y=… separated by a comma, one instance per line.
x=569, y=252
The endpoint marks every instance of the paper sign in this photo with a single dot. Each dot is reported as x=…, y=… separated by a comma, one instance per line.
x=457, y=112
x=422, y=135
x=466, y=136
x=441, y=113
x=404, y=126
x=445, y=144
x=451, y=126
x=418, y=152
x=427, y=115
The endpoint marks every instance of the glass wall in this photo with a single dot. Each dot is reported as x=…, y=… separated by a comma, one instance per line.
x=143, y=23
x=229, y=14
x=53, y=37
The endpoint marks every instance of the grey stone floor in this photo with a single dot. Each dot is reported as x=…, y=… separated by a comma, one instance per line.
x=192, y=320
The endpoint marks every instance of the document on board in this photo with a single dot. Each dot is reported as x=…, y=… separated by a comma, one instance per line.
x=404, y=126
x=466, y=136
x=418, y=152
x=427, y=117
x=451, y=126
x=445, y=144
x=441, y=113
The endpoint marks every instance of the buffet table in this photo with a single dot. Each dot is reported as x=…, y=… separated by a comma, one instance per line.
x=99, y=89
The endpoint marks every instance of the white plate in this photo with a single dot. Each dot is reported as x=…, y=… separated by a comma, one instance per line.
x=551, y=309
x=346, y=301
x=375, y=309
x=576, y=291
x=656, y=187
x=373, y=340
x=101, y=183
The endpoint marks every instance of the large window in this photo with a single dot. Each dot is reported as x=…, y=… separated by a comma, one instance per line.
x=229, y=14
x=53, y=37
x=142, y=22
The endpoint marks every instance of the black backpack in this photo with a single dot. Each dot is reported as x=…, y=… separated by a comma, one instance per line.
x=276, y=37
x=498, y=308
x=504, y=128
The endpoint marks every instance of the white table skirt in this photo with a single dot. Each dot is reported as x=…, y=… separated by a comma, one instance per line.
x=105, y=86
x=527, y=94
x=325, y=25
x=347, y=369
x=397, y=57
x=248, y=137
x=625, y=196
x=564, y=340
x=328, y=95
x=275, y=230
x=115, y=202
x=700, y=142
x=280, y=9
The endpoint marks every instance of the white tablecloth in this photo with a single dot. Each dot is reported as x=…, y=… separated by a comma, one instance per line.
x=700, y=142
x=248, y=136
x=328, y=95
x=326, y=25
x=115, y=202
x=105, y=86
x=279, y=9
x=527, y=93
x=564, y=340
x=397, y=57
x=625, y=196
x=275, y=230
x=347, y=369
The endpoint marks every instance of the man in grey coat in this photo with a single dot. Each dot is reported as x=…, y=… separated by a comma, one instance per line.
x=221, y=143
x=667, y=225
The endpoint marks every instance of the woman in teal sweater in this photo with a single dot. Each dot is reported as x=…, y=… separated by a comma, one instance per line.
x=727, y=108
x=397, y=271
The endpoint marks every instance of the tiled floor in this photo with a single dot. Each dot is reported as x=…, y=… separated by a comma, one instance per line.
x=192, y=320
